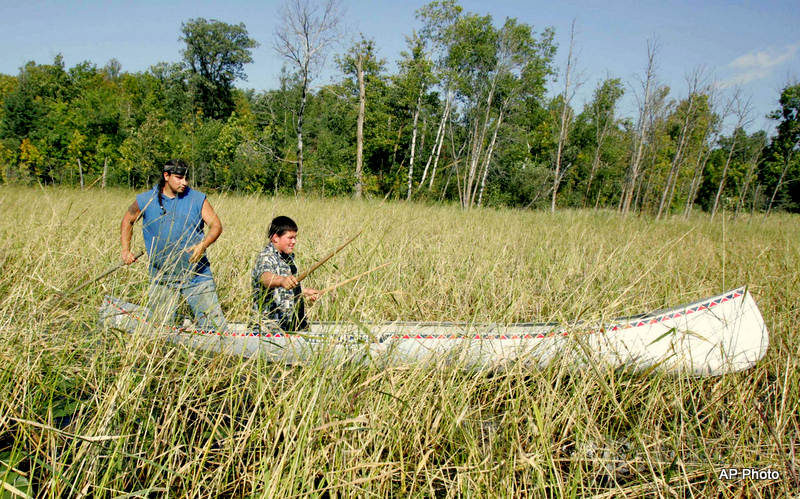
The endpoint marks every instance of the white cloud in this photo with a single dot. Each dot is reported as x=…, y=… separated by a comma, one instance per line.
x=758, y=65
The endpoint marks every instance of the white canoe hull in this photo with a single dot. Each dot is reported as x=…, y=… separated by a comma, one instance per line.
x=718, y=335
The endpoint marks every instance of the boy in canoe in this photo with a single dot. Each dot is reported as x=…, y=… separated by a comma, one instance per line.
x=278, y=298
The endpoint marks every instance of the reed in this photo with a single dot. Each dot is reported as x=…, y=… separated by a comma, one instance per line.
x=93, y=412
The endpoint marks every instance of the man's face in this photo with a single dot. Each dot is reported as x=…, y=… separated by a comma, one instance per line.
x=285, y=242
x=177, y=183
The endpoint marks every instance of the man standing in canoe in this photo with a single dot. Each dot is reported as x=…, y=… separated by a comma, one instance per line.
x=173, y=217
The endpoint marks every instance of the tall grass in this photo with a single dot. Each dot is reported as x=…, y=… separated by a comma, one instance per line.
x=85, y=411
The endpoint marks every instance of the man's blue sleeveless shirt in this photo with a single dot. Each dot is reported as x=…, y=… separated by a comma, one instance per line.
x=169, y=233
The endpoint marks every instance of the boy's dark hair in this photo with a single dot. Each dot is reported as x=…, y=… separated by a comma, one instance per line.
x=281, y=225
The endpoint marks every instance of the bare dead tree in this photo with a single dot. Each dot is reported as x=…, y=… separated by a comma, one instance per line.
x=695, y=81
x=565, y=117
x=645, y=103
x=305, y=30
x=742, y=111
x=709, y=138
x=362, y=103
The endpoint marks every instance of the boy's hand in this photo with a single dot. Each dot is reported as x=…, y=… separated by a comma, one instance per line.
x=311, y=295
x=289, y=282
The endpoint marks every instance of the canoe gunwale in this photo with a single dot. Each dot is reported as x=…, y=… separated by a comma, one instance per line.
x=556, y=328
x=717, y=335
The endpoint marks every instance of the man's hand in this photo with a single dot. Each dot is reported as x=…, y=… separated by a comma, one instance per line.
x=128, y=257
x=197, y=252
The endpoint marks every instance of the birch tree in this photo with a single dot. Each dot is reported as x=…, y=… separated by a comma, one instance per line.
x=438, y=20
x=415, y=79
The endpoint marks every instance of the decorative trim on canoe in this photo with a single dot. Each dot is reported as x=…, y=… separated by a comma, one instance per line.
x=672, y=314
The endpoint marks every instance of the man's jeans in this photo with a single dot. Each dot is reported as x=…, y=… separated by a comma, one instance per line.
x=201, y=297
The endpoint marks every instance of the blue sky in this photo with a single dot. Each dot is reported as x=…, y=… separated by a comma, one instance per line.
x=755, y=45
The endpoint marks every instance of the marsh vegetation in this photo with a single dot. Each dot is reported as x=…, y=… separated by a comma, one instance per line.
x=85, y=411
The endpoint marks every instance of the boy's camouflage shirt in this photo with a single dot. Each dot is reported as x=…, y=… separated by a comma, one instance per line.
x=276, y=304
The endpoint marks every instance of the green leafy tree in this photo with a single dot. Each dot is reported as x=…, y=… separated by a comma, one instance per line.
x=491, y=70
x=147, y=149
x=594, y=128
x=781, y=165
x=216, y=53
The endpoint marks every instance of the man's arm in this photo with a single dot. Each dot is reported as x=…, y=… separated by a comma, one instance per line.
x=126, y=232
x=214, y=230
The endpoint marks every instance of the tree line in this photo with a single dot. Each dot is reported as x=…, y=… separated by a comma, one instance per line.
x=465, y=118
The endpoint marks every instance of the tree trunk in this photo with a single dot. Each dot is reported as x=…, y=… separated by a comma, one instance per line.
x=105, y=173
x=413, y=145
x=299, y=183
x=562, y=133
x=749, y=178
x=489, y=157
x=633, y=172
x=440, y=141
x=595, y=161
x=478, y=137
x=695, y=185
x=80, y=172
x=722, y=179
x=780, y=181
x=669, y=188
x=700, y=166
x=362, y=97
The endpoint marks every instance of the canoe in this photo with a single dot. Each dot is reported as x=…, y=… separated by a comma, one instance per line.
x=710, y=337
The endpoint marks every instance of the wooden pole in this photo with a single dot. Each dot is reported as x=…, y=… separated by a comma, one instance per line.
x=113, y=269
x=327, y=257
x=346, y=281
x=104, y=274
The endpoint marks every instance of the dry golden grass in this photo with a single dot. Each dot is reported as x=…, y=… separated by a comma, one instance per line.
x=91, y=412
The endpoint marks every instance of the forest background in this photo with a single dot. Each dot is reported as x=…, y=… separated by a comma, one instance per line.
x=466, y=117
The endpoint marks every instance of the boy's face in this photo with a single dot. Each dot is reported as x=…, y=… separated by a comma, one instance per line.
x=285, y=242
